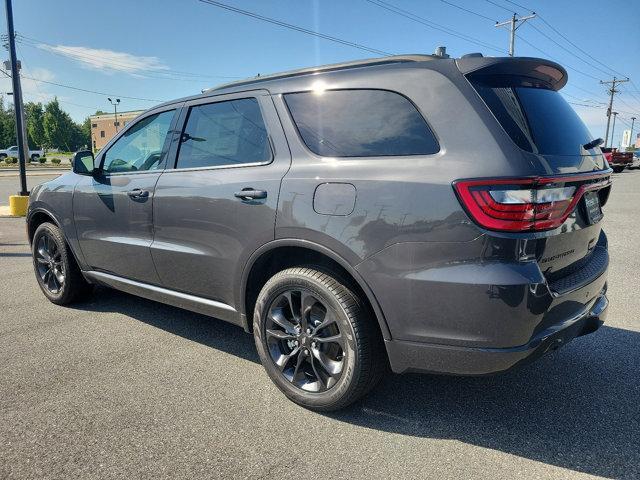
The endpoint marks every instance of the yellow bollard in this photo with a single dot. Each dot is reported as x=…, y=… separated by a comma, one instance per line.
x=18, y=205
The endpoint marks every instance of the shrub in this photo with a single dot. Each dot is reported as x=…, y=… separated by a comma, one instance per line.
x=42, y=159
x=11, y=160
x=56, y=161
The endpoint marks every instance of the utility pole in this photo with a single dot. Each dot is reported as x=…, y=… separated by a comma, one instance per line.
x=23, y=147
x=613, y=129
x=612, y=92
x=115, y=111
x=513, y=26
x=631, y=142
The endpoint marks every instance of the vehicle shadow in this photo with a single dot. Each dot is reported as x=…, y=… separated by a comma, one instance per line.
x=208, y=331
x=577, y=408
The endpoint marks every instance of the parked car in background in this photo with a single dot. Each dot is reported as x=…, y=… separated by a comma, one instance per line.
x=389, y=212
x=636, y=159
x=34, y=155
x=618, y=161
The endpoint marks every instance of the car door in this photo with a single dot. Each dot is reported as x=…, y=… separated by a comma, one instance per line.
x=218, y=204
x=113, y=208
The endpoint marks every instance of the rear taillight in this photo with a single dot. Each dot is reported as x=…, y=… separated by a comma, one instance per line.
x=527, y=204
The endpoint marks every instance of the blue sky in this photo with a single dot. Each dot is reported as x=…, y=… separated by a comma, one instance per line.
x=163, y=49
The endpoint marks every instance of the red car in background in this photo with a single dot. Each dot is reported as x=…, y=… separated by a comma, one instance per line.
x=618, y=161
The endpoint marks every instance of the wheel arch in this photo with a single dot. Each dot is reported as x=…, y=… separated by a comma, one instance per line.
x=284, y=253
x=36, y=218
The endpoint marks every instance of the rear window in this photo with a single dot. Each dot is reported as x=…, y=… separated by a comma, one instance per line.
x=360, y=123
x=537, y=119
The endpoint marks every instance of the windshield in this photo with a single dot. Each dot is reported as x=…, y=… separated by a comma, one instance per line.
x=538, y=120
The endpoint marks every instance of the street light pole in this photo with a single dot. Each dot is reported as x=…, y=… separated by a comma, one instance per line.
x=631, y=142
x=115, y=111
x=613, y=128
x=23, y=147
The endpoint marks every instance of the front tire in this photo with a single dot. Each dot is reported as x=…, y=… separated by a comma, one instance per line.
x=316, y=340
x=58, y=275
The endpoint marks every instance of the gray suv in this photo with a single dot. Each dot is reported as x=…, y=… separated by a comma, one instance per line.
x=412, y=212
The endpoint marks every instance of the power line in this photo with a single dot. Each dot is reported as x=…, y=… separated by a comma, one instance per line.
x=569, y=51
x=499, y=6
x=430, y=24
x=513, y=26
x=518, y=5
x=86, y=90
x=551, y=57
x=295, y=27
x=577, y=47
x=563, y=36
x=469, y=11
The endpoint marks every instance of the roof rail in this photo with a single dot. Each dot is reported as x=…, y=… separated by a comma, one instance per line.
x=327, y=68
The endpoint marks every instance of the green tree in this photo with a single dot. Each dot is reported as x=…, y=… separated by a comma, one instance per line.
x=7, y=125
x=58, y=126
x=35, y=125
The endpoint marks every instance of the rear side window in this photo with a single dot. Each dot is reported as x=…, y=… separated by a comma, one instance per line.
x=360, y=123
x=537, y=119
x=224, y=134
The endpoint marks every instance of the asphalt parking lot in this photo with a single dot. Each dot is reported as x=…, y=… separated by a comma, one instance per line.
x=121, y=387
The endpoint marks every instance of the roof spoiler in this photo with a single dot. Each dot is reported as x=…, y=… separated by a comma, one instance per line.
x=536, y=71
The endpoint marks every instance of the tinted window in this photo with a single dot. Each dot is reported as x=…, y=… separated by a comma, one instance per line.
x=224, y=133
x=360, y=123
x=537, y=120
x=140, y=147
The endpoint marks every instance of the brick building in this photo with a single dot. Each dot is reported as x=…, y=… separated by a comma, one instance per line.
x=103, y=127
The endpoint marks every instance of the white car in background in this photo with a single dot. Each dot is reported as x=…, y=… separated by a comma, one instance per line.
x=34, y=155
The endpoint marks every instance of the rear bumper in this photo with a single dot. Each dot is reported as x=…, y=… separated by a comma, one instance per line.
x=446, y=359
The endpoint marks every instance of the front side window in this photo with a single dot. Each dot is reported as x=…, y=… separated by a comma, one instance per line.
x=140, y=147
x=360, y=123
x=224, y=134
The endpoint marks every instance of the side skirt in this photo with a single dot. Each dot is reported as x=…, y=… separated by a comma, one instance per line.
x=201, y=305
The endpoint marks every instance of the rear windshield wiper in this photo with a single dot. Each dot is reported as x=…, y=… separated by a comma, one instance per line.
x=593, y=144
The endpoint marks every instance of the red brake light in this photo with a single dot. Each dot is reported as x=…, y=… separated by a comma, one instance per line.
x=525, y=204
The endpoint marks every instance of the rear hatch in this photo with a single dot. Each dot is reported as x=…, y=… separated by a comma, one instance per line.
x=564, y=203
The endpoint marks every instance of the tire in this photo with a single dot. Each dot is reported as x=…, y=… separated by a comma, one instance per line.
x=35, y=157
x=618, y=169
x=335, y=364
x=64, y=283
x=3, y=156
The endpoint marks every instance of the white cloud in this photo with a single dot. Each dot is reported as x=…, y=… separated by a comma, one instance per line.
x=32, y=91
x=107, y=60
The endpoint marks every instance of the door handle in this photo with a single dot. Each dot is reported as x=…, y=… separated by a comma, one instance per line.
x=138, y=193
x=251, y=194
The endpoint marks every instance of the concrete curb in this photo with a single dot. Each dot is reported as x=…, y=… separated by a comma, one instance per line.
x=37, y=173
x=5, y=212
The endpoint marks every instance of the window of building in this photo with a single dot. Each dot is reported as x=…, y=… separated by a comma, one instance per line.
x=94, y=125
x=223, y=134
x=101, y=133
x=116, y=124
x=360, y=123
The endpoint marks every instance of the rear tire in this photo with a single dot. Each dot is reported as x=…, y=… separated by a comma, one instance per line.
x=56, y=270
x=35, y=157
x=316, y=339
x=618, y=169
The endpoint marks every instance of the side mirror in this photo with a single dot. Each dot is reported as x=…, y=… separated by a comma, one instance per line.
x=83, y=163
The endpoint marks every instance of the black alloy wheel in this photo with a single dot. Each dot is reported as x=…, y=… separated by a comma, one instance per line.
x=56, y=270
x=305, y=341
x=49, y=265
x=317, y=339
